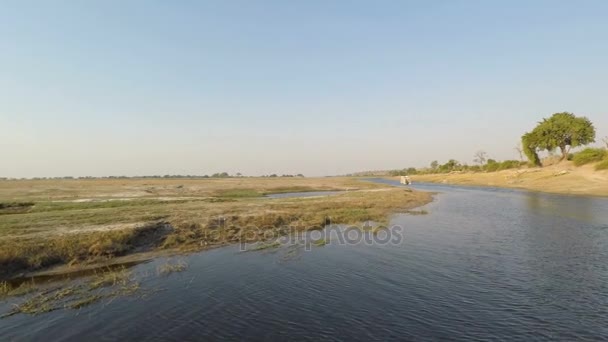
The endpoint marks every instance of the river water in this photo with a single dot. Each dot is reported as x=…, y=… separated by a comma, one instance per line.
x=483, y=264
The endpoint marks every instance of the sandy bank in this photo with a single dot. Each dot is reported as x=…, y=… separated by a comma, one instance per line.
x=562, y=178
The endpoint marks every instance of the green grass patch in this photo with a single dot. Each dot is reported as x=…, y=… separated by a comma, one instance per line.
x=107, y=204
x=289, y=189
x=589, y=155
x=493, y=166
x=15, y=207
x=239, y=193
x=351, y=215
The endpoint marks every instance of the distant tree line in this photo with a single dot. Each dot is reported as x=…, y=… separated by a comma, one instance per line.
x=452, y=165
x=559, y=133
x=215, y=175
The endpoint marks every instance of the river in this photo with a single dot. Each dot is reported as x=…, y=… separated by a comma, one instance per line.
x=482, y=264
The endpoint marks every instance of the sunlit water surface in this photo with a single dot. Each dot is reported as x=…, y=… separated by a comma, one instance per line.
x=483, y=264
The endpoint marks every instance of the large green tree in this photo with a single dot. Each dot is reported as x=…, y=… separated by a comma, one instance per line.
x=562, y=130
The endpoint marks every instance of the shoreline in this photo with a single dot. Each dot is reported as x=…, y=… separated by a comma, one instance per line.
x=561, y=179
x=185, y=226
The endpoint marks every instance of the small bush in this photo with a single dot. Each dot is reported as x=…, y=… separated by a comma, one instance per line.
x=603, y=165
x=492, y=166
x=589, y=155
x=508, y=164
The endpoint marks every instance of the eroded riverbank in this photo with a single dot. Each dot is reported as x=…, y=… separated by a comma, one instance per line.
x=51, y=238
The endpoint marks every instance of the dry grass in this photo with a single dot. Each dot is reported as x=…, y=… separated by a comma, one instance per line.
x=38, y=252
x=110, y=277
x=121, y=189
x=71, y=233
x=8, y=290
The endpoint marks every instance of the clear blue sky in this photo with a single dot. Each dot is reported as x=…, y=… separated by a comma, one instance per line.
x=314, y=87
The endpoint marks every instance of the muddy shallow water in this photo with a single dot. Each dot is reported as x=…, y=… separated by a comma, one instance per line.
x=483, y=264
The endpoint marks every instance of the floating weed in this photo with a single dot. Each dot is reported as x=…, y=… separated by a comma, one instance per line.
x=263, y=246
x=110, y=278
x=85, y=301
x=43, y=302
x=110, y=284
x=169, y=268
x=320, y=242
x=416, y=212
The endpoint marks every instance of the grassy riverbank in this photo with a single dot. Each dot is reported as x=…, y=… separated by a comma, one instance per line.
x=71, y=223
x=562, y=178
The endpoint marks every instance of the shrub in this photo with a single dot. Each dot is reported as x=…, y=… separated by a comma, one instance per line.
x=492, y=165
x=509, y=164
x=589, y=155
x=603, y=165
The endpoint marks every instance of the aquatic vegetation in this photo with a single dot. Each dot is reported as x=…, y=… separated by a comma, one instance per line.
x=416, y=212
x=80, y=303
x=169, y=267
x=5, y=288
x=263, y=246
x=24, y=289
x=110, y=278
x=320, y=242
x=77, y=294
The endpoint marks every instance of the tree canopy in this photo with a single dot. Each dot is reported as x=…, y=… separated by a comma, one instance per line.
x=562, y=130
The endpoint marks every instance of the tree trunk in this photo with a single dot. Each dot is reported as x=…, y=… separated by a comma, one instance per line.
x=564, y=152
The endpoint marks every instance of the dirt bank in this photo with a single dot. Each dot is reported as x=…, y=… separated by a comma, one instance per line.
x=562, y=178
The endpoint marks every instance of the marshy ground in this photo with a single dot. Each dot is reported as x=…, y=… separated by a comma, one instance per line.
x=50, y=227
